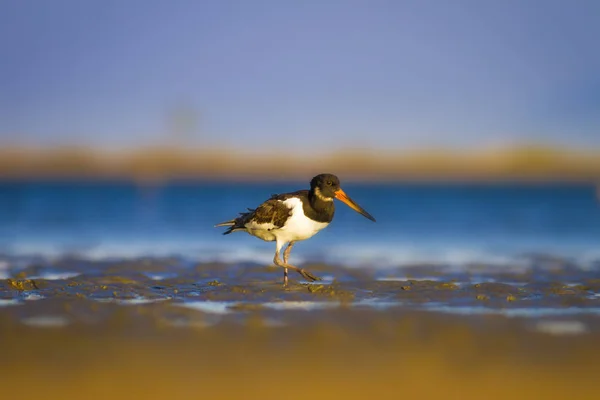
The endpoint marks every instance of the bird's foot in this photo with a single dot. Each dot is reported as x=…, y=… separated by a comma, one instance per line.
x=308, y=276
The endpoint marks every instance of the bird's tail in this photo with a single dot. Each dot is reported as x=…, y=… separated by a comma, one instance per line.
x=231, y=224
x=236, y=224
x=226, y=223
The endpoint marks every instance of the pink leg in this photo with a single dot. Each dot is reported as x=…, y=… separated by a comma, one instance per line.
x=286, y=256
x=307, y=275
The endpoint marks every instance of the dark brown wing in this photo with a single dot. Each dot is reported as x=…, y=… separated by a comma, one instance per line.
x=271, y=214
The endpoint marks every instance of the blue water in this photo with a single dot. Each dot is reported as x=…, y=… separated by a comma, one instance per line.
x=451, y=224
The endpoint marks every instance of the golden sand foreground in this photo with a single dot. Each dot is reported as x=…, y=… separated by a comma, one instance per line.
x=226, y=331
x=338, y=354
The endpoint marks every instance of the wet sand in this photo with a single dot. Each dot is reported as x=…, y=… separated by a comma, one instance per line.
x=167, y=328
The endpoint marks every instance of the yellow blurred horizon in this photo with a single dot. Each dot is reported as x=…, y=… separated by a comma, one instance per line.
x=529, y=162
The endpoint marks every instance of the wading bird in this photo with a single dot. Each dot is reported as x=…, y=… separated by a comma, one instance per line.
x=291, y=217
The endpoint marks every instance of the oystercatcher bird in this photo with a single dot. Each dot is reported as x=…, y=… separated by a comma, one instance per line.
x=291, y=217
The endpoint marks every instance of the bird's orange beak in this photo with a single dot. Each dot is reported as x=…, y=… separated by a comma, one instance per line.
x=343, y=197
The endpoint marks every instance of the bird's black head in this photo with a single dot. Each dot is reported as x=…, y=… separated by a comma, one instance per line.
x=326, y=187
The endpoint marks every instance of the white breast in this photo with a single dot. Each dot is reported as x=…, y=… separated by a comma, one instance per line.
x=298, y=226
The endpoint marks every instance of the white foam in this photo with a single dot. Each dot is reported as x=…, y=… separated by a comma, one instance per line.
x=301, y=305
x=406, y=278
x=244, y=255
x=560, y=328
x=458, y=256
x=512, y=312
x=53, y=276
x=159, y=276
x=325, y=280
x=382, y=255
x=32, y=296
x=131, y=301
x=9, y=302
x=46, y=321
x=140, y=300
x=212, y=307
x=103, y=250
x=588, y=259
x=225, y=307
x=4, y=272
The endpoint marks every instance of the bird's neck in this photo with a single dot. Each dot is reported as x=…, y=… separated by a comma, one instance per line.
x=321, y=207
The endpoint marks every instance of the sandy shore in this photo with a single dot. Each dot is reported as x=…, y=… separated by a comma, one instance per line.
x=154, y=165
x=160, y=329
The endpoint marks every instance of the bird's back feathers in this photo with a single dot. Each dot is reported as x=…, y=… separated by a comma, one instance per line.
x=272, y=213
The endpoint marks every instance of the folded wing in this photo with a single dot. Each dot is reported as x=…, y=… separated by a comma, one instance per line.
x=270, y=215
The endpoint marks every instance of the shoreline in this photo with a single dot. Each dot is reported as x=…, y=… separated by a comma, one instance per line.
x=519, y=164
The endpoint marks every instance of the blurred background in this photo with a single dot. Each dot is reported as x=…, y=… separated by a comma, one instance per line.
x=469, y=129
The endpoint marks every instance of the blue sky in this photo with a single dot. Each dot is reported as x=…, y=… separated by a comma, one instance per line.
x=314, y=75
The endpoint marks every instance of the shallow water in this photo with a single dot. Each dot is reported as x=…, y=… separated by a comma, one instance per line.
x=490, y=291
x=112, y=327
x=236, y=289
x=449, y=224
